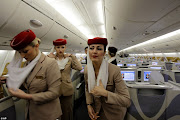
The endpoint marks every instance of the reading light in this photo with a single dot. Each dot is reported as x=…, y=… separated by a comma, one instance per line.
x=114, y=28
x=66, y=36
x=146, y=33
x=35, y=23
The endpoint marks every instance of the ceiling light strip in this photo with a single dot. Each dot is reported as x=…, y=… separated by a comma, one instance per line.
x=168, y=35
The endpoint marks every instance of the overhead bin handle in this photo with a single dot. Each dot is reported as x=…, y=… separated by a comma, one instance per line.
x=36, y=23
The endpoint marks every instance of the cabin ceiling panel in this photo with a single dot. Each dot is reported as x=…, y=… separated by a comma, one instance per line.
x=176, y=43
x=138, y=20
x=163, y=47
x=164, y=31
x=168, y=41
x=124, y=31
x=138, y=10
x=168, y=20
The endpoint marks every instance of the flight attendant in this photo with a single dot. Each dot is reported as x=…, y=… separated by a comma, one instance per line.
x=112, y=54
x=65, y=63
x=39, y=76
x=107, y=96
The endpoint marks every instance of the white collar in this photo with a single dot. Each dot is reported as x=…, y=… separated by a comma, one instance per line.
x=62, y=62
x=111, y=59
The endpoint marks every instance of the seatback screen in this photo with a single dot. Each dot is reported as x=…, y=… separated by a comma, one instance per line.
x=146, y=75
x=154, y=63
x=82, y=69
x=168, y=66
x=177, y=65
x=128, y=75
x=119, y=64
x=131, y=64
x=155, y=67
x=177, y=77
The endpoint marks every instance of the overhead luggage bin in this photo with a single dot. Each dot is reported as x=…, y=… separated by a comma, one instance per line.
x=7, y=12
x=42, y=6
x=58, y=31
x=62, y=21
x=23, y=19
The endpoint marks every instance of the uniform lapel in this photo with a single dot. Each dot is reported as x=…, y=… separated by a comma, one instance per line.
x=35, y=70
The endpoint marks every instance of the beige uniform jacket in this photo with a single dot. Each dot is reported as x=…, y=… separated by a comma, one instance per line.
x=115, y=105
x=43, y=84
x=67, y=88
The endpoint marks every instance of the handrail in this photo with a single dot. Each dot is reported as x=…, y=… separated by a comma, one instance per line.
x=5, y=98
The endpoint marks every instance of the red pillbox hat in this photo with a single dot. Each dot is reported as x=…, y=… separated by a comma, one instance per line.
x=59, y=42
x=98, y=40
x=23, y=39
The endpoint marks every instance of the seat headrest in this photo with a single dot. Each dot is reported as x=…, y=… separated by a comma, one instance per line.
x=156, y=78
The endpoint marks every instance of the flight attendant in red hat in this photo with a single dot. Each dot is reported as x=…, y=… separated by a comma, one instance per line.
x=107, y=96
x=65, y=63
x=39, y=76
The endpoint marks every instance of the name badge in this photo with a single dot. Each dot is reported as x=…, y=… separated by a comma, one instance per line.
x=39, y=77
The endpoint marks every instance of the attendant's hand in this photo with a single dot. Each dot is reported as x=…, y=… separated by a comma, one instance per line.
x=91, y=113
x=2, y=80
x=19, y=93
x=96, y=116
x=51, y=55
x=67, y=55
x=99, y=90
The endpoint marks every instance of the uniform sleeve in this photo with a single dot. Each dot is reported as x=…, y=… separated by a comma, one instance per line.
x=89, y=97
x=75, y=63
x=121, y=96
x=53, y=83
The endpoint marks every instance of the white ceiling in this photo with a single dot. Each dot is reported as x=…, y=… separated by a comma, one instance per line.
x=125, y=23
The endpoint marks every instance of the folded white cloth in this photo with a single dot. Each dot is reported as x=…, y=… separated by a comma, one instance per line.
x=62, y=62
x=111, y=59
x=17, y=75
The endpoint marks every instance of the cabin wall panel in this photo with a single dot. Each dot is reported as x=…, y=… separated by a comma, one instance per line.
x=6, y=57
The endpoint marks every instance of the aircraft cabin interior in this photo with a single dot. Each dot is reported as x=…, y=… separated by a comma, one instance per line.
x=146, y=34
